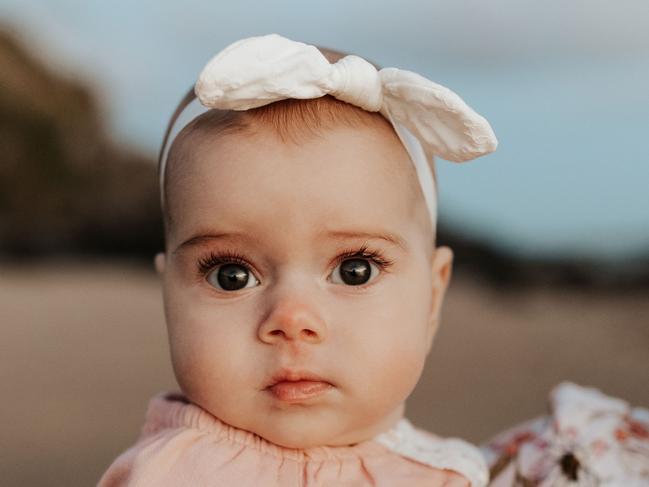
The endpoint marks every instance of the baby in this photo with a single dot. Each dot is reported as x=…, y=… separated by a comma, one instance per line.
x=302, y=285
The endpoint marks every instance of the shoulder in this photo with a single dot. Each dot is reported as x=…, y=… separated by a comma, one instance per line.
x=442, y=453
x=121, y=471
x=170, y=430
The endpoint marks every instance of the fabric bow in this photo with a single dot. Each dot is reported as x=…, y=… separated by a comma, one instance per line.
x=256, y=71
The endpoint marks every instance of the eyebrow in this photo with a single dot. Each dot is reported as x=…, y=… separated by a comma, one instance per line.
x=389, y=237
x=206, y=237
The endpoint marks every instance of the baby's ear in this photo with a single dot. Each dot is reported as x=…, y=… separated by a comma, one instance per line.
x=442, y=267
x=159, y=263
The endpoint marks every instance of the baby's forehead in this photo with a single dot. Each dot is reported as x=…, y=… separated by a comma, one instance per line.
x=214, y=144
x=346, y=151
x=359, y=170
x=293, y=123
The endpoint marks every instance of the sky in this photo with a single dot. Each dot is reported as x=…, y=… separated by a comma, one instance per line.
x=563, y=84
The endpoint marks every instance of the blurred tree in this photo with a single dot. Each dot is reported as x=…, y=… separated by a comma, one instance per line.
x=63, y=186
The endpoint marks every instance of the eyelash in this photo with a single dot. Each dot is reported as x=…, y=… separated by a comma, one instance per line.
x=364, y=253
x=213, y=259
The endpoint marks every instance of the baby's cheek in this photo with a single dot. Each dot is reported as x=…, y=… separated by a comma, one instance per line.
x=202, y=354
x=387, y=351
x=391, y=372
x=402, y=368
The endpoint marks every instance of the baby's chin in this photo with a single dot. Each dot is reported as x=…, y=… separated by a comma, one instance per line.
x=322, y=428
x=308, y=434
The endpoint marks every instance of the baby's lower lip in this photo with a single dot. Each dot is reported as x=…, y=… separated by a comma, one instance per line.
x=301, y=390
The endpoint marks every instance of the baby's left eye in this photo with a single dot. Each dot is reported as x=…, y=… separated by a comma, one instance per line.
x=355, y=271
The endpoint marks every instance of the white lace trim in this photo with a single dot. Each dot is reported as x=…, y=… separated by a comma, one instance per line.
x=444, y=453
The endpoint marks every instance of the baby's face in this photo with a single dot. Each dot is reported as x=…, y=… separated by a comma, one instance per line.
x=261, y=284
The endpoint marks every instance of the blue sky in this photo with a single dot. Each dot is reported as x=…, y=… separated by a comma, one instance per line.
x=564, y=85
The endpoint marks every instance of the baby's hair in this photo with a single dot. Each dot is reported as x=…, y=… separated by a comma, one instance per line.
x=291, y=119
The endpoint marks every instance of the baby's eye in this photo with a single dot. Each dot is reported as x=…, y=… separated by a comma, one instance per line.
x=355, y=272
x=231, y=277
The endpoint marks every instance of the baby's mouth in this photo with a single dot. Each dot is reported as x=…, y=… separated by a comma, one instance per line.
x=296, y=386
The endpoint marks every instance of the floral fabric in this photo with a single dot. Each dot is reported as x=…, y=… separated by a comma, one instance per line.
x=588, y=440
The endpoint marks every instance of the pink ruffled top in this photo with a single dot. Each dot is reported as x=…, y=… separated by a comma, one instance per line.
x=183, y=445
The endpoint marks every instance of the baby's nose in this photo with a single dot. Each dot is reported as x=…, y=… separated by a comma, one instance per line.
x=291, y=319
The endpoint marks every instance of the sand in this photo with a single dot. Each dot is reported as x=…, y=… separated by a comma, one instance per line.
x=84, y=347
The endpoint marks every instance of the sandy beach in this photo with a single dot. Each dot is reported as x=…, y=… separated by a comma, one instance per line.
x=84, y=347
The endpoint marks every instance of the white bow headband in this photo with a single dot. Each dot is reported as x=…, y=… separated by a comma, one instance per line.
x=429, y=119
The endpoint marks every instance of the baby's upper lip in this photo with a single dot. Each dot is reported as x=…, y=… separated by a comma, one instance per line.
x=294, y=375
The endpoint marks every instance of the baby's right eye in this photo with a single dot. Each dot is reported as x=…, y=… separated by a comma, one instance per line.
x=227, y=272
x=231, y=277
